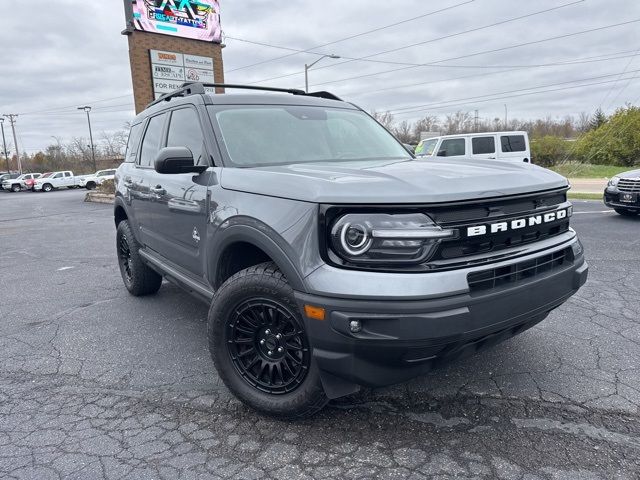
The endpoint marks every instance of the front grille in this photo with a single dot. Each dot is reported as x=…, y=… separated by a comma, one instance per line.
x=464, y=247
x=629, y=185
x=518, y=272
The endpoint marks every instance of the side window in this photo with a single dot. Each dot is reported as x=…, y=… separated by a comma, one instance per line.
x=483, y=145
x=452, y=148
x=132, y=143
x=185, y=131
x=58, y=175
x=67, y=174
x=151, y=142
x=513, y=143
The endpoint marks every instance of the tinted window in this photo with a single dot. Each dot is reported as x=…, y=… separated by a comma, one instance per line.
x=67, y=174
x=133, y=142
x=452, y=148
x=513, y=143
x=483, y=145
x=151, y=142
x=185, y=131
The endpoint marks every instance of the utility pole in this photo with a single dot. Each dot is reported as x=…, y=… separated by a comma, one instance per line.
x=4, y=144
x=12, y=118
x=93, y=149
x=506, y=116
x=476, y=120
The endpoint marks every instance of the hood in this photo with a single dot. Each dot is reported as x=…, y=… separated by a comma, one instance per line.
x=631, y=174
x=410, y=181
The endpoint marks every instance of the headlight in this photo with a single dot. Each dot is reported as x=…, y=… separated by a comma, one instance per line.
x=614, y=182
x=376, y=239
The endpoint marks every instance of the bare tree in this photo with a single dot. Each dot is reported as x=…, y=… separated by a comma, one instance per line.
x=404, y=132
x=384, y=118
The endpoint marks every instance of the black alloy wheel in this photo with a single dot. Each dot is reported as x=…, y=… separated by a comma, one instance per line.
x=267, y=346
x=124, y=255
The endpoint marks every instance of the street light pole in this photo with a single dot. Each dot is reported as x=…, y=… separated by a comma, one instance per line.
x=308, y=67
x=4, y=144
x=87, y=109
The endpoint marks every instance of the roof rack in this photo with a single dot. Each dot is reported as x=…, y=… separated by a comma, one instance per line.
x=197, y=88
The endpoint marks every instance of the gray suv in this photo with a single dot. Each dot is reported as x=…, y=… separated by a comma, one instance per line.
x=332, y=258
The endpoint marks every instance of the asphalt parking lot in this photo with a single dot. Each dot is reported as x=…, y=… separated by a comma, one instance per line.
x=97, y=384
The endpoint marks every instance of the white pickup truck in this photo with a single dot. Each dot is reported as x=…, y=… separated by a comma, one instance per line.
x=92, y=181
x=56, y=180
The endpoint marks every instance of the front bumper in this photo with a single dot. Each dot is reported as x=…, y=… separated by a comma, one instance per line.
x=612, y=199
x=401, y=339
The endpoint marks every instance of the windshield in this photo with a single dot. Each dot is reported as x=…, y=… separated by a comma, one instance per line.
x=257, y=136
x=426, y=147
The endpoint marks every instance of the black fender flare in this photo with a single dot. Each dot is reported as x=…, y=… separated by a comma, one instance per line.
x=259, y=235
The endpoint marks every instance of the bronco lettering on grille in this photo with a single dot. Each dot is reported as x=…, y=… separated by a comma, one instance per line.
x=517, y=224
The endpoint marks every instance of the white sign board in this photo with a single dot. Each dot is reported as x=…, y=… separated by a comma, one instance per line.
x=170, y=70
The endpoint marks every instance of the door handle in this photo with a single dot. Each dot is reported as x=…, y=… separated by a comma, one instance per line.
x=158, y=190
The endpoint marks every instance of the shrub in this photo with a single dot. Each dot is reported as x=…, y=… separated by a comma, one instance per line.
x=549, y=150
x=108, y=186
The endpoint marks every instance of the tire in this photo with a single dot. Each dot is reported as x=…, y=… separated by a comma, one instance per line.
x=257, y=304
x=16, y=188
x=47, y=187
x=139, y=279
x=90, y=185
x=626, y=213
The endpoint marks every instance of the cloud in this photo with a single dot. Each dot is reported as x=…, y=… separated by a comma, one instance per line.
x=76, y=55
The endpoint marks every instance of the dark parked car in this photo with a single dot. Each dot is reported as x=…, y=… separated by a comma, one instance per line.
x=623, y=193
x=330, y=257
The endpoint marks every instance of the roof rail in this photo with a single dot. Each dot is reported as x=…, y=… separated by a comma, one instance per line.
x=186, y=90
x=197, y=88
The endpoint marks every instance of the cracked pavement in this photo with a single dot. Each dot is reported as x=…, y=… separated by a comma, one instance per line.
x=97, y=384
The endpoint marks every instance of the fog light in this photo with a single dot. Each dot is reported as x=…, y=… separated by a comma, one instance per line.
x=355, y=326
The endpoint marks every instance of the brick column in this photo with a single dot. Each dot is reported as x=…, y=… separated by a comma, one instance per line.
x=139, y=45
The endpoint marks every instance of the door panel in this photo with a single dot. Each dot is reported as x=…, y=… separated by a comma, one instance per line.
x=180, y=205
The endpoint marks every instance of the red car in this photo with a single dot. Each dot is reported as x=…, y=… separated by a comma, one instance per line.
x=29, y=183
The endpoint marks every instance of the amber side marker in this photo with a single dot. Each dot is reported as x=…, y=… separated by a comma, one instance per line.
x=316, y=313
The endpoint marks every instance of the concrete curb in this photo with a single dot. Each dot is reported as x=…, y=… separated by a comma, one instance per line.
x=96, y=197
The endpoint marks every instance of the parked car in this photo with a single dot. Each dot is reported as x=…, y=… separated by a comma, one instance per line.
x=330, y=257
x=510, y=146
x=54, y=181
x=92, y=181
x=19, y=183
x=623, y=193
x=7, y=176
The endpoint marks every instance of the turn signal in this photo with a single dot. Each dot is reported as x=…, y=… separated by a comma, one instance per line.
x=316, y=313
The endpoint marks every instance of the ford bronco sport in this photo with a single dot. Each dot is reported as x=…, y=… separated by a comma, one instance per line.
x=331, y=258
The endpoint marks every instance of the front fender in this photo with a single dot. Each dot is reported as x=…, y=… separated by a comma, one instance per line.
x=260, y=235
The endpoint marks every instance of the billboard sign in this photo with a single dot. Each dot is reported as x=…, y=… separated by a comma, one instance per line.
x=170, y=70
x=193, y=19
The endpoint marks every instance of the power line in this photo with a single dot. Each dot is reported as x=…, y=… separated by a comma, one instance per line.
x=398, y=110
x=495, y=50
x=368, y=58
x=75, y=105
x=351, y=37
x=593, y=59
x=510, y=96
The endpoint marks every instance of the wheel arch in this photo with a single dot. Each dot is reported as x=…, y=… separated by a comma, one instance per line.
x=245, y=246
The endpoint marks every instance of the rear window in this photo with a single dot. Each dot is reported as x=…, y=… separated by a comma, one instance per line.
x=454, y=147
x=483, y=145
x=513, y=143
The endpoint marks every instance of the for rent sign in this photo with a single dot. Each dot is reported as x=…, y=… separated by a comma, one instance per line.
x=170, y=70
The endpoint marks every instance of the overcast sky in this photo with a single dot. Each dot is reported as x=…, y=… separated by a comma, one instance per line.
x=58, y=56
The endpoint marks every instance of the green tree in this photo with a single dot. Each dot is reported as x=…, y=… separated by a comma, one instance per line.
x=549, y=150
x=598, y=119
x=616, y=142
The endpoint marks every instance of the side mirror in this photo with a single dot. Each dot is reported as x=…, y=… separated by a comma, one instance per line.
x=442, y=153
x=174, y=160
